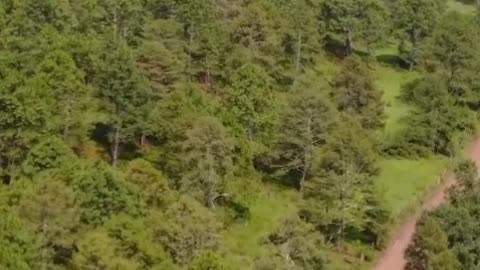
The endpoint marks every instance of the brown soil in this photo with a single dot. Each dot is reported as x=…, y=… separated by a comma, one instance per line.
x=393, y=257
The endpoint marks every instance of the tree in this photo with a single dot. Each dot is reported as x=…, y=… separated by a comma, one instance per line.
x=435, y=119
x=429, y=249
x=207, y=160
x=159, y=56
x=337, y=196
x=186, y=229
x=350, y=20
x=205, y=37
x=122, y=91
x=300, y=38
x=250, y=100
x=61, y=83
x=450, y=51
x=52, y=209
x=96, y=250
x=414, y=21
x=207, y=260
x=152, y=183
x=355, y=93
x=295, y=244
x=21, y=123
x=101, y=193
x=467, y=175
x=19, y=247
x=303, y=128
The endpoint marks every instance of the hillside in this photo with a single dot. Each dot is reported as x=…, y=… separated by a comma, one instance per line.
x=226, y=135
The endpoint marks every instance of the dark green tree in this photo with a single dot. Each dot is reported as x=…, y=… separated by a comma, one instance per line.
x=429, y=249
x=304, y=127
x=207, y=159
x=355, y=93
x=123, y=93
x=351, y=20
x=61, y=84
x=414, y=21
x=451, y=52
x=338, y=195
x=186, y=229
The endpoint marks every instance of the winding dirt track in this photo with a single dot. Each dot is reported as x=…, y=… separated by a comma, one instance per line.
x=393, y=257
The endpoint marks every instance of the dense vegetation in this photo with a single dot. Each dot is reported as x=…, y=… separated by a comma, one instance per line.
x=447, y=238
x=145, y=134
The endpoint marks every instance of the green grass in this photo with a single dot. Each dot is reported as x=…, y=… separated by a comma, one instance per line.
x=267, y=211
x=404, y=182
x=391, y=81
x=461, y=7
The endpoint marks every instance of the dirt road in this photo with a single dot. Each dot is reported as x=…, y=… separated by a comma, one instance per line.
x=393, y=258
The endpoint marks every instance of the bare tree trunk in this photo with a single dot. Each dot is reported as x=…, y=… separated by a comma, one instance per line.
x=304, y=173
x=307, y=156
x=413, y=53
x=66, y=125
x=298, y=58
x=210, y=182
x=44, y=248
x=143, y=139
x=348, y=43
x=190, y=45
x=115, y=148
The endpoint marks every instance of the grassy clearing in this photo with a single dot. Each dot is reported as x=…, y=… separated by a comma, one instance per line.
x=460, y=7
x=404, y=182
x=267, y=211
x=391, y=81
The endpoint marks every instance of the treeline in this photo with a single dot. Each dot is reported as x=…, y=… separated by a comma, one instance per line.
x=134, y=133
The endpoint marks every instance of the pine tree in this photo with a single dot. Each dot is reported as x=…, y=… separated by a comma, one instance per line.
x=122, y=91
x=338, y=193
x=207, y=160
x=304, y=127
x=355, y=93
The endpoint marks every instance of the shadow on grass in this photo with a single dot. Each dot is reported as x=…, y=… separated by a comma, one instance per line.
x=393, y=60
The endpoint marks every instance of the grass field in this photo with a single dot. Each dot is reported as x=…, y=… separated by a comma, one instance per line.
x=404, y=182
x=461, y=7
x=267, y=212
x=391, y=80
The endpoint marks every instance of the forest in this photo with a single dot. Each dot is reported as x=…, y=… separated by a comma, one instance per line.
x=235, y=134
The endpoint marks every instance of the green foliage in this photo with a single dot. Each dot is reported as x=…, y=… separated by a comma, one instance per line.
x=250, y=100
x=207, y=160
x=51, y=153
x=340, y=192
x=153, y=185
x=102, y=193
x=207, y=260
x=238, y=139
x=435, y=121
x=52, y=209
x=355, y=94
x=186, y=229
x=303, y=128
x=429, y=249
x=352, y=20
x=294, y=245
x=19, y=248
x=451, y=52
x=414, y=21
x=60, y=82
